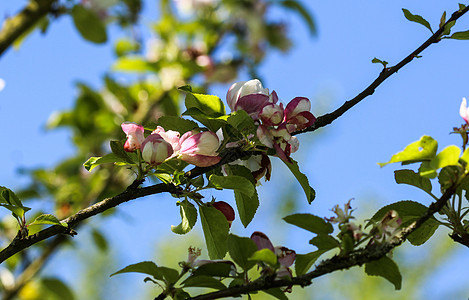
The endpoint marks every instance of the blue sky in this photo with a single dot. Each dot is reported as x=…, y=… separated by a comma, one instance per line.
x=340, y=160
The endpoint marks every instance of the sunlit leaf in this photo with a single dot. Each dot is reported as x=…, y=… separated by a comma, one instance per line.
x=416, y=18
x=265, y=255
x=422, y=150
x=48, y=219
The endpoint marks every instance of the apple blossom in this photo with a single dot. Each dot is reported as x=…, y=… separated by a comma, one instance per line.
x=241, y=89
x=387, y=228
x=464, y=110
x=170, y=136
x=199, y=149
x=155, y=149
x=134, y=134
x=298, y=115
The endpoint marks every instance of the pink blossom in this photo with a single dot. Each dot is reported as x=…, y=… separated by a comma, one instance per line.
x=272, y=114
x=464, y=110
x=244, y=88
x=169, y=136
x=297, y=114
x=279, y=139
x=155, y=149
x=199, y=149
x=134, y=134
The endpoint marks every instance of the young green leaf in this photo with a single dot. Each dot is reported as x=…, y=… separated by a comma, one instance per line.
x=188, y=216
x=303, y=262
x=265, y=255
x=426, y=171
x=416, y=18
x=379, y=61
x=10, y=201
x=447, y=157
x=247, y=206
x=118, y=149
x=89, y=24
x=303, y=180
x=240, y=249
x=461, y=6
x=47, y=219
x=132, y=64
x=215, y=227
x=387, y=268
x=412, y=178
x=210, y=105
x=422, y=150
x=241, y=121
x=93, y=162
x=461, y=35
x=233, y=182
x=145, y=267
x=443, y=19
x=310, y=222
x=177, y=124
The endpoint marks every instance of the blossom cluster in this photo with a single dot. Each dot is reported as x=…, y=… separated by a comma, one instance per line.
x=276, y=122
x=197, y=148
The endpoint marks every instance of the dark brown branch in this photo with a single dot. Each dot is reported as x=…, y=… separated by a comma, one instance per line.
x=387, y=72
x=17, y=25
x=336, y=263
x=18, y=244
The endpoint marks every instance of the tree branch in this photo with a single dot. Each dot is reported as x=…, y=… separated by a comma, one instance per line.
x=336, y=263
x=385, y=73
x=15, y=26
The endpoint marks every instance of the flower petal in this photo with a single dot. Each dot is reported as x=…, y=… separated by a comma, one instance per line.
x=262, y=241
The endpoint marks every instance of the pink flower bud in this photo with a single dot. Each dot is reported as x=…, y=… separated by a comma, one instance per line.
x=200, y=149
x=262, y=241
x=464, y=110
x=226, y=209
x=243, y=88
x=134, y=134
x=155, y=149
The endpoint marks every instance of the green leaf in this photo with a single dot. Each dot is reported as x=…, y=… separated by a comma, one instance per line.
x=188, y=216
x=303, y=262
x=58, y=288
x=302, y=11
x=422, y=150
x=215, y=227
x=449, y=176
x=324, y=242
x=443, y=19
x=387, y=268
x=240, y=249
x=185, y=88
x=217, y=269
x=47, y=219
x=265, y=255
x=203, y=281
x=212, y=123
x=170, y=275
x=303, y=180
x=210, y=105
x=99, y=240
x=461, y=35
x=379, y=61
x=233, y=182
x=409, y=211
x=426, y=171
x=177, y=124
x=277, y=293
x=447, y=157
x=416, y=18
x=132, y=64
x=247, y=206
x=448, y=27
x=118, y=149
x=10, y=201
x=241, y=121
x=89, y=24
x=145, y=267
x=93, y=162
x=461, y=7
x=412, y=178
x=310, y=222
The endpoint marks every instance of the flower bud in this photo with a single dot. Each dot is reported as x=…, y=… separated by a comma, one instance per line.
x=134, y=134
x=226, y=210
x=297, y=115
x=169, y=136
x=200, y=149
x=272, y=114
x=464, y=110
x=243, y=88
x=155, y=149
